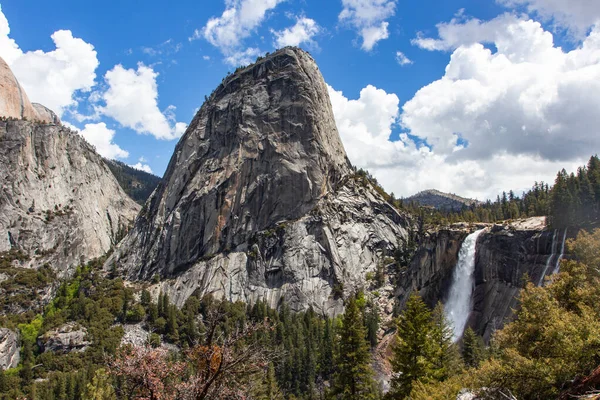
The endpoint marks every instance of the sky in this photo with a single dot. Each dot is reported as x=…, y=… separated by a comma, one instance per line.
x=472, y=97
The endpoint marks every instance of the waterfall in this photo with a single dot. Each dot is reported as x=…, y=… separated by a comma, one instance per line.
x=553, y=249
x=562, y=253
x=458, y=306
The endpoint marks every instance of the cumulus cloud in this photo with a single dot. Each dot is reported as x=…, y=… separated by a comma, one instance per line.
x=142, y=167
x=529, y=97
x=402, y=59
x=368, y=18
x=302, y=32
x=132, y=100
x=51, y=78
x=496, y=120
x=101, y=137
x=575, y=15
x=238, y=22
x=404, y=167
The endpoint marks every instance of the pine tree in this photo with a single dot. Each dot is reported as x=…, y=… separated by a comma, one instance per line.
x=446, y=358
x=411, y=359
x=473, y=348
x=353, y=377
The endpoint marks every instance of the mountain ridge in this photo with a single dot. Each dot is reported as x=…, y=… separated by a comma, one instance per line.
x=441, y=200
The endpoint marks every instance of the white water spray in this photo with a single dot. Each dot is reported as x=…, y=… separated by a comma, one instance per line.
x=562, y=253
x=553, y=249
x=458, y=307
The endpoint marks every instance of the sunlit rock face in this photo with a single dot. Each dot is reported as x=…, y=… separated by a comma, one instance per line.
x=259, y=199
x=59, y=202
x=14, y=102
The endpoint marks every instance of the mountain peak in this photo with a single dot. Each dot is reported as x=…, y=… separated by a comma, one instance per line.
x=441, y=200
x=259, y=200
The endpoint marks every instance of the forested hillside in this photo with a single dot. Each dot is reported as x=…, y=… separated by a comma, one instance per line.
x=139, y=185
x=231, y=350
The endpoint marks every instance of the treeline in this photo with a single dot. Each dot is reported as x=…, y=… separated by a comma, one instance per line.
x=573, y=201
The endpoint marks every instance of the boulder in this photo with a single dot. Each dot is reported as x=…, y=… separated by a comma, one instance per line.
x=69, y=337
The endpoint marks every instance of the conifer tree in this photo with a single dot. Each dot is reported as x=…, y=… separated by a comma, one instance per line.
x=445, y=357
x=473, y=348
x=411, y=360
x=353, y=377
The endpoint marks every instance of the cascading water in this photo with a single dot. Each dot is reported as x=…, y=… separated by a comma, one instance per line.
x=458, y=307
x=562, y=253
x=553, y=249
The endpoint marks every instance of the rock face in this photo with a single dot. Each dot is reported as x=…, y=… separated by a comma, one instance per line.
x=505, y=253
x=67, y=338
x=441, y=201
x=259, y=199
x=59, y=202
x=9, y=349
x=14, y=102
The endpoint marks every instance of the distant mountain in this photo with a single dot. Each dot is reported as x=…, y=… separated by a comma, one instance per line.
x=139, y=185
x=441, y=201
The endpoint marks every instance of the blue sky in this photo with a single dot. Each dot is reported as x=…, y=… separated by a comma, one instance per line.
x=501, y=94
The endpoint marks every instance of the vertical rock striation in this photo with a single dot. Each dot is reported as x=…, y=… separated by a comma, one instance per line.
x=259, y=199
x=59, y=202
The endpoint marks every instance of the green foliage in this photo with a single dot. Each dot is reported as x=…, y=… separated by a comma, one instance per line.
x=446, y=361
x=473, y=348
x=139, y=185
x=412, y=353
x=353, y=379
x=30, y=331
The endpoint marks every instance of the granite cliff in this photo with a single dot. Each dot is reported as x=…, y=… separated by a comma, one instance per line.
x=260, y=201
x=59, y=202
x=504, y=254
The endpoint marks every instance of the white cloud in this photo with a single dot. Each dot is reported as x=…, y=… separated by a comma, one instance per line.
x=529, y=97
x=403, y=167
x=142, y=159
x=132, y=100
x=368, y=18
x=497, y=120
x=575, y=15
x=302, y=32
x=142, y=167
x=242, y=57
x=51, y=78
x=402, y=59
x=206, y=58
x=101, y=137
x=239, y=20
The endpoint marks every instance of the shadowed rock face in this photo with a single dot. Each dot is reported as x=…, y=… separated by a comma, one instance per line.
x=258, y=199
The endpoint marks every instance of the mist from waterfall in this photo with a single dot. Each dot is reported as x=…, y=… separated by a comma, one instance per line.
x=562, y=253
x=459, y=305
x=553, y=253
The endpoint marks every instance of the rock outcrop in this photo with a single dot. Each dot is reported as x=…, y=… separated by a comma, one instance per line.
x=259, y=199
x=67, y=338
x=9, y=349
x=59, y=202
